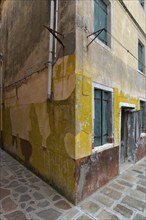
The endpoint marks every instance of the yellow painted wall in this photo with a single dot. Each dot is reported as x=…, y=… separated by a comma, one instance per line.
x=48, y=126
x=59, y=131
x=109, y=66
x=83, y=119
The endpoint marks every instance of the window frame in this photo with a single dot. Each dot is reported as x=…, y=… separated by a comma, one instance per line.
x=110, y=90
x=142, y=3
x=143, y=56
x=143, y=101
x=108, y=44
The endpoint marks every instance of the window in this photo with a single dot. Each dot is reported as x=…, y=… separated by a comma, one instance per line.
x=140, y=56
x=102, y=19
x=143, y=116
x=142, y=3
x=102, y=116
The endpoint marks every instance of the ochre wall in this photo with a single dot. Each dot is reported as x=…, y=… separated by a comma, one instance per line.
x=39, y=131
x=111, y=66
x=55, y=136
x=116, y=69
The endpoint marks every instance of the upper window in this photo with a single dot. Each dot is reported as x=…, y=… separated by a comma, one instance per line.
x=102, y=19
x=102, y=117
x=140, y=56
x=142, y=3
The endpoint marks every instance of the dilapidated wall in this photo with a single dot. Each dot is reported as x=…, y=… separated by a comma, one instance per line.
x=39, y=131
x=55, y=136
x=110, y=66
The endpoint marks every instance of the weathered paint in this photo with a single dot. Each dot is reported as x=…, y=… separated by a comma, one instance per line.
x=119, y=97
x=55, y=136
x=141, y=149
x=26, y=149
x=40, y=132
x=7, y=128
x=94, y=171
x=50, y=153
x=83, y=111
x=64, y=78
x=111, y=67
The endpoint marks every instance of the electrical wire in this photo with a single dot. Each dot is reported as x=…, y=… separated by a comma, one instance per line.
x=25, y=77
x=128, y=51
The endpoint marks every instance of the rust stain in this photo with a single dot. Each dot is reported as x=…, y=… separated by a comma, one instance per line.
x=110, y=140
x=26, y=150
x=94, y=171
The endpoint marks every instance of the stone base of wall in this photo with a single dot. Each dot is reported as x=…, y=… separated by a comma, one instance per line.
x=141, y=150
x=1, y=140
x=94, y=171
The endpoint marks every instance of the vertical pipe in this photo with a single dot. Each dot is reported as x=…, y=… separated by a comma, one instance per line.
x=56, y=27
x=50, y=65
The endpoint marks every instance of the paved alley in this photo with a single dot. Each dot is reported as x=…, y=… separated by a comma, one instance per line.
x=25, y=196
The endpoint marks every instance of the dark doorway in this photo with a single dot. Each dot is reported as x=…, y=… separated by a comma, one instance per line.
x=130, y=131
x=124, y=134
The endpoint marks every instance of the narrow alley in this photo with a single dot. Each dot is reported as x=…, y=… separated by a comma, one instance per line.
x=25, y=196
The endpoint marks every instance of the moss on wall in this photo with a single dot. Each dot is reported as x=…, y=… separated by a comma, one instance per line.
x=83, y=116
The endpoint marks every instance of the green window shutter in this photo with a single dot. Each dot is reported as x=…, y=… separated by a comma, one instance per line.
x=142, y=3
x=104, y=117
x=97, y=120
x=101, y=117
x=142, y=115
x=100, y=19
x=140, y=56
x=96, y=15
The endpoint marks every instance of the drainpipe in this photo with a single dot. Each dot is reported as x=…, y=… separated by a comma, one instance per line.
x=1, y=96
x=53, y=22
x=50, y=61
x=56, y=27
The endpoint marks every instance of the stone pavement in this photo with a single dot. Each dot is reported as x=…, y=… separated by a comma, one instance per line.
x=25, y=196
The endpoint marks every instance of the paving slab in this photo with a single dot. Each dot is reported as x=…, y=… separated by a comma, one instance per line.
x=123, y=211
x=105, y=215
x=117, y=186
x=84, y=217
x=139, y=217
x=15, y=215
x=111, y=193
x=90, y=207
x=103, y=200
x=134, y=203
x=142, y=189
x=49, y=214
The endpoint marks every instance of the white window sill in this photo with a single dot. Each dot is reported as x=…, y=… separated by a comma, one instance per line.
x=143, y=135
x=103, y=45
x=141, y=73
x=102, y=148
x=97, y=41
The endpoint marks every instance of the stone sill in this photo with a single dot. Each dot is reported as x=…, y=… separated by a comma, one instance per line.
x=143, y=135
x=142, y=73
x=102, y=148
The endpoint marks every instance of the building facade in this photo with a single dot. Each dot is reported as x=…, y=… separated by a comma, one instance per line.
x=73, y=89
